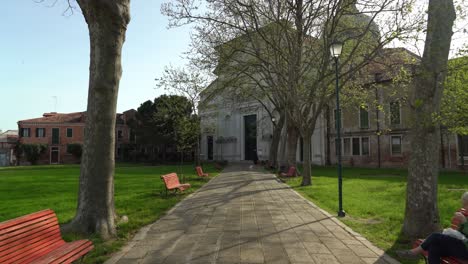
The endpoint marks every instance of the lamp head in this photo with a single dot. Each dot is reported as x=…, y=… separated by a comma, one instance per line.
x=273, y=119
x=336, y=48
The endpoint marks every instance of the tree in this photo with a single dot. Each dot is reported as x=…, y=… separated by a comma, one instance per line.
x=421, y=214
x=159, y=122
x=454, y=109
x=188, y=132
x=107, y=23
x=281, y=48
x=32, y=151
x=76, y=149
x=188, y=82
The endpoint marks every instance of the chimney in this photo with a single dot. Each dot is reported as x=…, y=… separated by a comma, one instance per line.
x=49, y=114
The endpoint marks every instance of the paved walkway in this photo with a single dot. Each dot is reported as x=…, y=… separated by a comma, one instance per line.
x=246, y=216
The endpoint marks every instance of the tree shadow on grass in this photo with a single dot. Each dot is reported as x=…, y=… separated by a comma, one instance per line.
x=403, y=242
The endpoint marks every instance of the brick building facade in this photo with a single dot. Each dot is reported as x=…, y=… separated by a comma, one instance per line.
x=375, y=134
x=58, y=131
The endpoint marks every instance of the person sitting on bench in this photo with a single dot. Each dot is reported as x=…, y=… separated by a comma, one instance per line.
x=450, y=243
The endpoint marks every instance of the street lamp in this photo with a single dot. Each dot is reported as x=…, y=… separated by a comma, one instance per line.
x=335, y=50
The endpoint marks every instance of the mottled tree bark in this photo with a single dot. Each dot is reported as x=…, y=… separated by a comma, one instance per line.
x=421, y=215
x=107, y=23
x=307, y=174
x=276, y=140
x=293, y=135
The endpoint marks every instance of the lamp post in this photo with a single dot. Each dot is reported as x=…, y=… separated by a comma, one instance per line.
x=335, y=50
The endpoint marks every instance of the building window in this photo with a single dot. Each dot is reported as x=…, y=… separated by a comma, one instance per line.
x=347, y=146
x=356, y=149
x=119, y=134
x=395, y=118
x=69, y=132
x=25, y=132
x=365, y=146
x=55, y=135
x=396, y=145
x=40, y=132
x=364, y=117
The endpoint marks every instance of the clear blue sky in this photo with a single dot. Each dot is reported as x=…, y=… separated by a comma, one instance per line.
x=45, y=54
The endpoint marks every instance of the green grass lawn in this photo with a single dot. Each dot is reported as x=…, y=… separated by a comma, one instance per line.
x=139, y=194
x=374, y=200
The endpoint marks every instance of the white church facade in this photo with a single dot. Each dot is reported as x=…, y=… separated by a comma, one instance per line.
x=243, y=132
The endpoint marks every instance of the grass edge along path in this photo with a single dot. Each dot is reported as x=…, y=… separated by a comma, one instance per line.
x=374, y=201
x=139, y=194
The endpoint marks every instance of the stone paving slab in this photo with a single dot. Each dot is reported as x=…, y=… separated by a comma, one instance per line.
x=248, y=216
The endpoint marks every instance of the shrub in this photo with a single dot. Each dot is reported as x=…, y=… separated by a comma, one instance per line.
x=33, y=151
x=75, y=149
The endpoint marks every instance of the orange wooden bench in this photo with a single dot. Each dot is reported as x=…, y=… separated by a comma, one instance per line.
x=172, y=183
x=447, y=260
x=291, y=172
x=200, y=172
x=35, y=238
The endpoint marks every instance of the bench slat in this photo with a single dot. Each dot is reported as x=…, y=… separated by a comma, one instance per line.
x=25, y=243
x=66, y=253
x=4, y=231
x=172, y=182
x=32, y=251
x=44, y=251
x=26, y=218
x=36, y=236
x=7, y=239
x=200, y=172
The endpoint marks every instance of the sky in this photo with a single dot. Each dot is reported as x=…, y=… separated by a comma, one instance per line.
x=44, y=58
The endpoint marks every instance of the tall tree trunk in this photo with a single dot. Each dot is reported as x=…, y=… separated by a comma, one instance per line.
x=421, y=215
x=197, y=152
x=293, y=135
x=306, y=174
x=107, y=23
x=276, y=140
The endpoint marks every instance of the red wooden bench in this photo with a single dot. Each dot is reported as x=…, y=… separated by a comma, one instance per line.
x=447, y=260
x=291, y=172
x=35, y=238
x=172, y=183
x=200, y=172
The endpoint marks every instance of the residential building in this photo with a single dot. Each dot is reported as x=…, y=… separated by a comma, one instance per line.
x=375, y=134
x=59, y=130
x=8, y=141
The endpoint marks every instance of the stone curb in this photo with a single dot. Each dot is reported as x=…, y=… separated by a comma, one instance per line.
x=358, y=236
